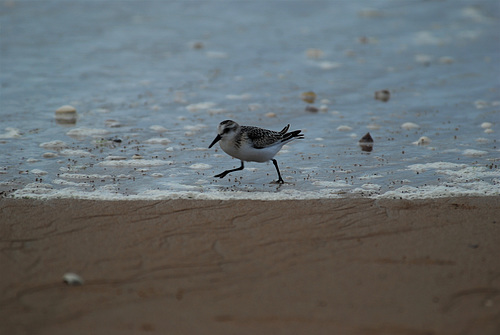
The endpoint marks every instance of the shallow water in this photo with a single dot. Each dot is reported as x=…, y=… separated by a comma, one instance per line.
x=151, y=81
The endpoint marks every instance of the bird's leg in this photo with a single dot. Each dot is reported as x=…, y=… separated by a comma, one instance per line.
x=223, y=174
x=280, y=180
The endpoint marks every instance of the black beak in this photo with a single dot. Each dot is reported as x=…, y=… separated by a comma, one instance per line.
x=216, y=139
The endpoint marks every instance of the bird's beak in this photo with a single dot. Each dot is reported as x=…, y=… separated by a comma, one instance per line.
x=216, y=139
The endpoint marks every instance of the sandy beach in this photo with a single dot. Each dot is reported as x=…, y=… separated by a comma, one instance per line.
x=339, y=266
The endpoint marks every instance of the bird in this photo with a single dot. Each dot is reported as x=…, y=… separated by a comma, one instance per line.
x=252, y=144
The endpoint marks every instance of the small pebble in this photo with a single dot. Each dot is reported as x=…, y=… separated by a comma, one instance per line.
x=366, y=139
x=314, y=53
x=383, y=95
x=66, y=109
x=311, y=109
x=49, y=155
x=136, y=156
x=308, y=97
x=73, y=279
x=66, y=115
x=446, y=60
x=366, y=143
x=197, y=45
x=424, y=140
x=344, y=128
x=270, y=114
x=486, y=125
x=410, y=126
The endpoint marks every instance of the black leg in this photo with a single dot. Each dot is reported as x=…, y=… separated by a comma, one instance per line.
x=280, y=180
x=223, y=174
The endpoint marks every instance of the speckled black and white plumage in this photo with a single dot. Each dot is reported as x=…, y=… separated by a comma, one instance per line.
x=252, y=144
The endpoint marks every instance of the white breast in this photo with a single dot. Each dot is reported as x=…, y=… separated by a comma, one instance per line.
x=248, y=153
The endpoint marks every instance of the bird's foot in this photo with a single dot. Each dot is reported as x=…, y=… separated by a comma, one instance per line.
x=220, y=175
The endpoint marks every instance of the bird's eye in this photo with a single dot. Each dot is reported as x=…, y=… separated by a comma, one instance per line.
x=226, y=130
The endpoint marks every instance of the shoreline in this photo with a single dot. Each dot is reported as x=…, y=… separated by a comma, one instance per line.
x=348, y=265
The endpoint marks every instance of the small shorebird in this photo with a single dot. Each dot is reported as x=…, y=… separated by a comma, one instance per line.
x=252, y=144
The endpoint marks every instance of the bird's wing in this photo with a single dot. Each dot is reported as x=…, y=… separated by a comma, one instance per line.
x=261, y=138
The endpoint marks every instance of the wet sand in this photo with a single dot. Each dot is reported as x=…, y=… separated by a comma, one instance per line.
x=340, y=266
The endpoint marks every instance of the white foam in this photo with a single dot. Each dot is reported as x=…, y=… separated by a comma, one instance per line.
x=203, y=192
x=427, y=38
x=470, y=173
x=86, y=132
x=63, y=182
x=200, y=106
x=370, y=186
x=370, y=176
x=327, y=65
x=196, y=127
x=244, y=96
x=435, y=165
x=480, y=104
x=134, y=163
x=474, y=153
x=254, y=107
x=54, y=145
x=115, y=158
x=373, y=126
x=84, y=176
x=158, y=140
x=200, y=166
x=324, y=183
x=10, y=133
x=424, y=140
x=75, y=152
x=39, y=172
x=441, y=191
x=158, y=128
x=423, y=59
x=216, y=54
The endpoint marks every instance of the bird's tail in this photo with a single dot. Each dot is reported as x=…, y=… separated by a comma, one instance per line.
x=292, y=135
x=284, y=130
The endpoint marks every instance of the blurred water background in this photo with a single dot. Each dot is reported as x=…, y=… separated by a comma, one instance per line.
x=151, y=80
